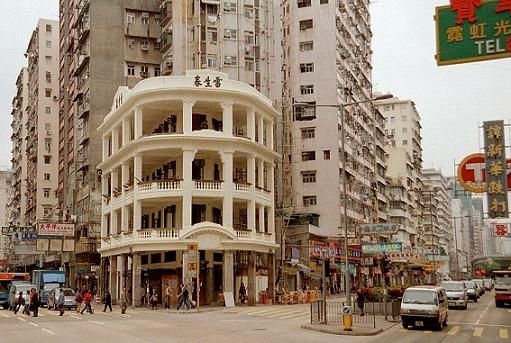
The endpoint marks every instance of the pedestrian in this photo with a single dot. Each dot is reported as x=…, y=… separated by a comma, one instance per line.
x=124, y=301
x=242, y=293
x=35, y=303
x=183, y=298
x=26, y=309
x=60, y=302
x=361, y=300
x=87, y=299
x=168, y=293
x=79, y=300
x=20, y=302
x=108, y=301
x=154, y=300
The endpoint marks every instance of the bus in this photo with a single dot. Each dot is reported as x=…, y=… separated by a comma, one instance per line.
x=46, y=280
x=502, y=287
x=6, y=280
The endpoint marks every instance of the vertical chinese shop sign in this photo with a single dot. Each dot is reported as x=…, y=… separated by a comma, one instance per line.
x=496, y=178
x=473, y=30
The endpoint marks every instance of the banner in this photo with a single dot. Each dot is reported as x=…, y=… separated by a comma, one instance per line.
x=496, y=178
x=379, y=248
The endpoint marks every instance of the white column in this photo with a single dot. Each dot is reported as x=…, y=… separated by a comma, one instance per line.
x=270, y=134
x=125, y=169
x=227, y=118
x=271, y=220
x=115, y=140
x=229, y=272
x=114, y=177
x=260, y=128
x=137, y=170
x=188, y=156
x=251, y=215
x=251, y=167
x=138, y=122
x=251, y=123
x=260, y=172
x=261, y=218
x=104, y=185
x=113, y=222
x=126, y=131
x=187, y=116
x=137, y=215
x=271, y=178
x=105, y=147
x=104, y=225
x=227, y=160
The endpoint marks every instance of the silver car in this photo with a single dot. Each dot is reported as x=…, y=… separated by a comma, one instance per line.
x=456, y=293
x=69, y=298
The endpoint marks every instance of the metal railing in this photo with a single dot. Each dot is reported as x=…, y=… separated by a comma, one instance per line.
x=332, y=314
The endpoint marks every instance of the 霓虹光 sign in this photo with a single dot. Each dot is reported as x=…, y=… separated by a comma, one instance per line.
x=473, y=30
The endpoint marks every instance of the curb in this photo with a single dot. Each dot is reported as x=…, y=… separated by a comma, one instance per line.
x=338, y=331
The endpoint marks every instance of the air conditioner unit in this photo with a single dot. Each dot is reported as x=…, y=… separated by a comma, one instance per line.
x=144, y=47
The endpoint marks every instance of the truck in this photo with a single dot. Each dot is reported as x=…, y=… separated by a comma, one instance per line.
x=6, y=280
x=46, y=280
x=502, y=287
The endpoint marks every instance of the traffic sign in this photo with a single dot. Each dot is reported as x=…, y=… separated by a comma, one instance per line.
x=346, y=309
x=472, y=173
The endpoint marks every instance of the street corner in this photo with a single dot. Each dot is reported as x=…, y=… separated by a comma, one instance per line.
x=339, y=330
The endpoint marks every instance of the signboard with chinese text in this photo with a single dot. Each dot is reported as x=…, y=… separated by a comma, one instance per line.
x=496, y=179
x=501, y=230
x=473, y=30
x=192, y=254
x=56, y=229
x=472, y=173
x=378, y=229
x=334, y=251
x=377, y=248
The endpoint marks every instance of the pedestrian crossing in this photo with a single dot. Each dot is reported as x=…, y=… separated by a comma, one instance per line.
x=274, y=312
x=500, y=333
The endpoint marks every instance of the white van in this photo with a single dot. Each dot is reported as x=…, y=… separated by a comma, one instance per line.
x=424, y=305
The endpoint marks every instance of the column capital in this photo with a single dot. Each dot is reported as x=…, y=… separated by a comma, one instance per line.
x=189, y=102
x=226, y=104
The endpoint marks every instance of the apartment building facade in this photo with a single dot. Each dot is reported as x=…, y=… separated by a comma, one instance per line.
x=231, y=36
x=103, y=45
x=404, y=167
x=5, y=190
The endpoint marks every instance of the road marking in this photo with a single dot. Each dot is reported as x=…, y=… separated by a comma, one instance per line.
x=96, y=322
x=125, y=316
x=292, y=315
x=453, y=331
x=403, y=330
x=302, y=317
x=286, y=312
x=48, y=331
x=483, y=313
x=41, y=315
x=491, y=325
x=23, y=320
x=260, y=311
x=34, y=324
x=503, y=334
x=478, y=332
x=5, y=315
x=428, y=331
x=76, y=317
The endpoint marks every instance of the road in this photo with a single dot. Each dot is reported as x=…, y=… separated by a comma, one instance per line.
x=481, y=322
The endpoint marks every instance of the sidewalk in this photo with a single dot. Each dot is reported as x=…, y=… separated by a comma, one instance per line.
x=337, y=329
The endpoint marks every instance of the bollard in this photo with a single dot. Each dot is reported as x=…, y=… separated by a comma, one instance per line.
x=347, y=318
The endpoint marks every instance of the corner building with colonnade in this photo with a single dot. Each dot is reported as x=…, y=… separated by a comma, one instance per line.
x=188, y=159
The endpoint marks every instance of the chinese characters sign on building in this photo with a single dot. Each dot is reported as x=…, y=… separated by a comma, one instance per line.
x=378, y=248
x=207, y=82
x=496, y=178
x=473, y=30
x=56, y=229
x=378, y=229
x=334, y=251
x=501, y=230
x=192, y=252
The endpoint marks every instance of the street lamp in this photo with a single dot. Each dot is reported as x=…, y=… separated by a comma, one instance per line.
x=341, y=108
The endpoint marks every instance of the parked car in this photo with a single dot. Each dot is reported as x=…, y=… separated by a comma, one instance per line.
x=423, y=305
x=69, y=298
x=472, y=292
x=15, y=290
x=456, y=293
x=480, y=285
x=488, y=285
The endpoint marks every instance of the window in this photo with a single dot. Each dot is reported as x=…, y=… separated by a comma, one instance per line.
x=392, y=119
x=144, y=71
x=47, y=159
x=249, y=65
x=230, y=33
x=304, y=112
x=145, y=18
x=212, y=62
x=48, y=43
x=157, y=71
x=47, y=92
x=326, y=154
x=405, y=130
x=308, y=155
x=309, y=200
x=308, y=132
x=212, y=35
x=47, y=110
x=47, y=60
x=48, y=76
x=306, y=24
x=156, y=258
x=131, y=69
x=170, y=256
x=405, y=142
x=46, y=176
x=46, y=192
x=229, y=7
x=131, y=43
x=306, y=46
x=130, y=17
x=46, y=211
x=403, y=118
x=322, y=2
x=47, y=126
x=306, y=89
x=249, y=12
x=309, y=176
x=48, y=28
x=306, y=67
x=230, y=60
x=304, y=3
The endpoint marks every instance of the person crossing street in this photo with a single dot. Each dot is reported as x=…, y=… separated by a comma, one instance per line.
x=108, y=301
x=61, y=301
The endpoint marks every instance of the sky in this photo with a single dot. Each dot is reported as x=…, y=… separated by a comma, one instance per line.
x=452, y=100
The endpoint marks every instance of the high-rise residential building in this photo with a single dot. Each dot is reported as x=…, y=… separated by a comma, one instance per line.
x=18, y=199
x=404, y=167
x=42, y=121
x=5, y=188
x=235, y=37
x=103, y=45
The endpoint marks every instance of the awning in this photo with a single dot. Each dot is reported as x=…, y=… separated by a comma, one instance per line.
x=300, y=266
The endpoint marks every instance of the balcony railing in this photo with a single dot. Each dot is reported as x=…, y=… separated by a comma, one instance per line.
x=243, y=187
x=157, y=234
x=162, y=185
x=208, y=185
